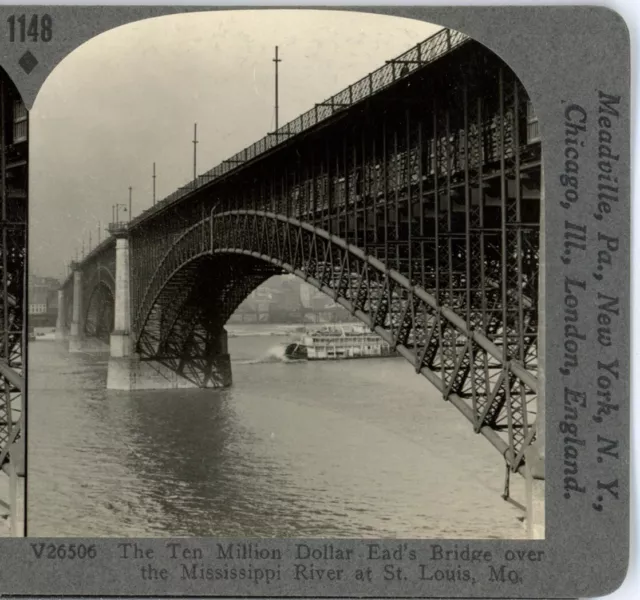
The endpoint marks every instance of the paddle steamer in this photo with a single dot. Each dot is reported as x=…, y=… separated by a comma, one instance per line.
x=338, y=342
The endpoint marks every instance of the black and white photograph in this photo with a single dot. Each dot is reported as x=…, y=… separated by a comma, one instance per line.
x=285, y=281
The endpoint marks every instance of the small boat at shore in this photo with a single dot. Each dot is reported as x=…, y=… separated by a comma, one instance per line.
x=339, y=342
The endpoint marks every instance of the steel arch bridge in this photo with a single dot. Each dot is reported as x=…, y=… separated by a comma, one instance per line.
x=413, y=198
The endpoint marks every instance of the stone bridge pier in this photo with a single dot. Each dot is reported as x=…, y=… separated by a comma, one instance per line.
x=76, y=332
x=61, y=331
x=120, y=341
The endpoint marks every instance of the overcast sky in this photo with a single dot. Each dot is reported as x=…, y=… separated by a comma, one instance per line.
x=130, y=97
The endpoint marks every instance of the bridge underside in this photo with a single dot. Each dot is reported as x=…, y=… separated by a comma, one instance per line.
x=416, y=207
x=184, y=330
x=99, y=318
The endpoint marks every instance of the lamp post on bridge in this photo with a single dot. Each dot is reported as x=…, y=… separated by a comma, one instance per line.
x=277, y=60
x=195, y=154
x=130, y=192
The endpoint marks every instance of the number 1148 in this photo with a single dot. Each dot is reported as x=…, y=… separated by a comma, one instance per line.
x=36, y=28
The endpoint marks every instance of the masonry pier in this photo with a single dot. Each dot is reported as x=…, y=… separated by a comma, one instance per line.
x=76, y=334
x=120, y=340
x=135, y=373
x=61, y=331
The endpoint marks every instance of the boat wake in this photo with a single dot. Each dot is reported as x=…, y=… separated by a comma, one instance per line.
x=275, y=354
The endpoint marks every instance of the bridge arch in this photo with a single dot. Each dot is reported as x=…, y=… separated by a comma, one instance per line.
x=98, y=321
x=184, y=327
x=98, y=316
x=215, y=264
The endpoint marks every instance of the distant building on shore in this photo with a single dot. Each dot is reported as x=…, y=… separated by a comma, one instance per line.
x=281, y=299
x=288, y=299
x=42, y=301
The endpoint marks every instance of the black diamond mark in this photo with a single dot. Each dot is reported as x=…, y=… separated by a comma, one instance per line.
x=28, y=62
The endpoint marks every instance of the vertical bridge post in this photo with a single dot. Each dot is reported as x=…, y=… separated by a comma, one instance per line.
x=61, y=332
x=77, y=326
x=120, y=340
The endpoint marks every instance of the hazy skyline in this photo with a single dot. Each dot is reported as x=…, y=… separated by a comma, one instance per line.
x=130, y=96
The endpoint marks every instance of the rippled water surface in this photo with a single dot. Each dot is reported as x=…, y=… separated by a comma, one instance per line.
x=362, y=448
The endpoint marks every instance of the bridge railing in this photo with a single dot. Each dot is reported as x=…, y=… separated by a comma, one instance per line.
x=423, y=53
x=118, y=227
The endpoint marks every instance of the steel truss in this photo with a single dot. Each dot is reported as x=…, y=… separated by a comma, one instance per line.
x=211, y=268
x=13, y=244
x=183, y=329
x=417, y=206
x=441, y=172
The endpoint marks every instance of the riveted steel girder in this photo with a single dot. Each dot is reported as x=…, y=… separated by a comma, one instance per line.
x=14, y=129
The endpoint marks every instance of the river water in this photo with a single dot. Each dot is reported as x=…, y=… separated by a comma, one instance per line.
x=362, y=448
